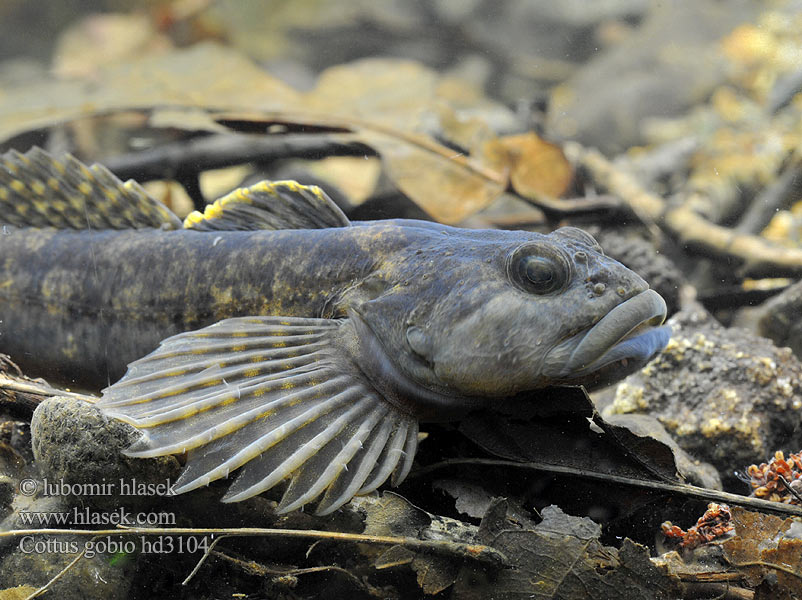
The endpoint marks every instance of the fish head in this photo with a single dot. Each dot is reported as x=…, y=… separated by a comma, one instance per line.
x=496, y=313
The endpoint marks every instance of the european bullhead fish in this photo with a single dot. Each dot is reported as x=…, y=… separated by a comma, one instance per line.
x=272, y=337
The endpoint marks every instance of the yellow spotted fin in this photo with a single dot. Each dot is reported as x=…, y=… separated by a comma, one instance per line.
x=272, y=398
x=38, y=190
x=270, y=205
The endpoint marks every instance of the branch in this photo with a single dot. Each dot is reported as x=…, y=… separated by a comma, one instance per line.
x=758, y=257
x=217, y=151
x=21, y=396
x=682, y=489
x=475, y=552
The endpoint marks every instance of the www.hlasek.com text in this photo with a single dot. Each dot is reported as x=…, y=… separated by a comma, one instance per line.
x=80, y=517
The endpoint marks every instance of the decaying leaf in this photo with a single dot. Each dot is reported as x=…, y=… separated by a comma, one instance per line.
x=555, y=430
x=393, y=106
x=537, y=168
x=206, y=75
x=17, y=593
x=562, y=558
x=393, y=515
x=469, y=498
x=449, y=190
x=766, y=546
x=105, y=39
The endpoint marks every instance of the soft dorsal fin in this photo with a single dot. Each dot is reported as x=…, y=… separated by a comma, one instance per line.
x=270, y=205
x=38, y=190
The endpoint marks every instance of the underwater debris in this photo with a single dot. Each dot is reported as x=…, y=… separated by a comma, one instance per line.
x=714, y=524
x=779, y=480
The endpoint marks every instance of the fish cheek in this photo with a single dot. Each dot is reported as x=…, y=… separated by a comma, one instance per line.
x=398, y=322
x=498, y=349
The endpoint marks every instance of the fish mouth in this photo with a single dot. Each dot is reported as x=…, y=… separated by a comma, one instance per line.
x=622, y=342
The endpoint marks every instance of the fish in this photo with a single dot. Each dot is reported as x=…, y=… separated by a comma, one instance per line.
x=272, y=341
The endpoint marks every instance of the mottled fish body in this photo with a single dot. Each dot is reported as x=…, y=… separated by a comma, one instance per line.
x=296, y=345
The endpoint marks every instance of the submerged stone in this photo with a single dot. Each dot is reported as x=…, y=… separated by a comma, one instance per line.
x=727, y=396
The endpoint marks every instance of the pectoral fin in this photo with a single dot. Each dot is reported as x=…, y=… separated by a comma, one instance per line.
x=273, y=397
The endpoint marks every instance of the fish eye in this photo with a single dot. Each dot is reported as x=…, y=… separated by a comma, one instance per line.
x=537, y=268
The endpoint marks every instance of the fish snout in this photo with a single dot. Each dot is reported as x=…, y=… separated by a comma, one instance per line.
x=623, y=282
x=630, y=332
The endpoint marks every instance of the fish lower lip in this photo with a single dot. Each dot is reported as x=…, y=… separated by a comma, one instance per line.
x=628, y=332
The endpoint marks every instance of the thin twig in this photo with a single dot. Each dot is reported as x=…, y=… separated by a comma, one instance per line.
x=759, y=257
x=779, y=195
x=254, y=568
x=716, y=591
x=203, y=559
x=788, y=487
x=217, y=151
x=762, y=563
x=367, y=130
x=604, y=206
x=675, y=488
x=39, y=389
x=59, y=575
x=477, y=552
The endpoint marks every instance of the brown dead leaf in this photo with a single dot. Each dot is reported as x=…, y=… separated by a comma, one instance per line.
x=536, y=167
x=562, y=558
x=17, y=593
x=759, y=548
x=355, y=177
x=394, y=515
x=433, y=573
x=397, y=106
x=395, y=93
x=391, y=105
x=206, y=75
x=443, y=182
x=104, y=39
x=395, y=556
x=787, y=554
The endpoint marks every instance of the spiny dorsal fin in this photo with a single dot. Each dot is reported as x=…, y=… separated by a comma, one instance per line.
x=270, y=205
x=38, y=190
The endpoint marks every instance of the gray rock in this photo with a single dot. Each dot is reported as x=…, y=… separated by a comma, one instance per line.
x=670, y=64
x=780, y=318
x=37, y=559
x=75, y=443
x=33, y=560
x=727, y=396
x=7, y=488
